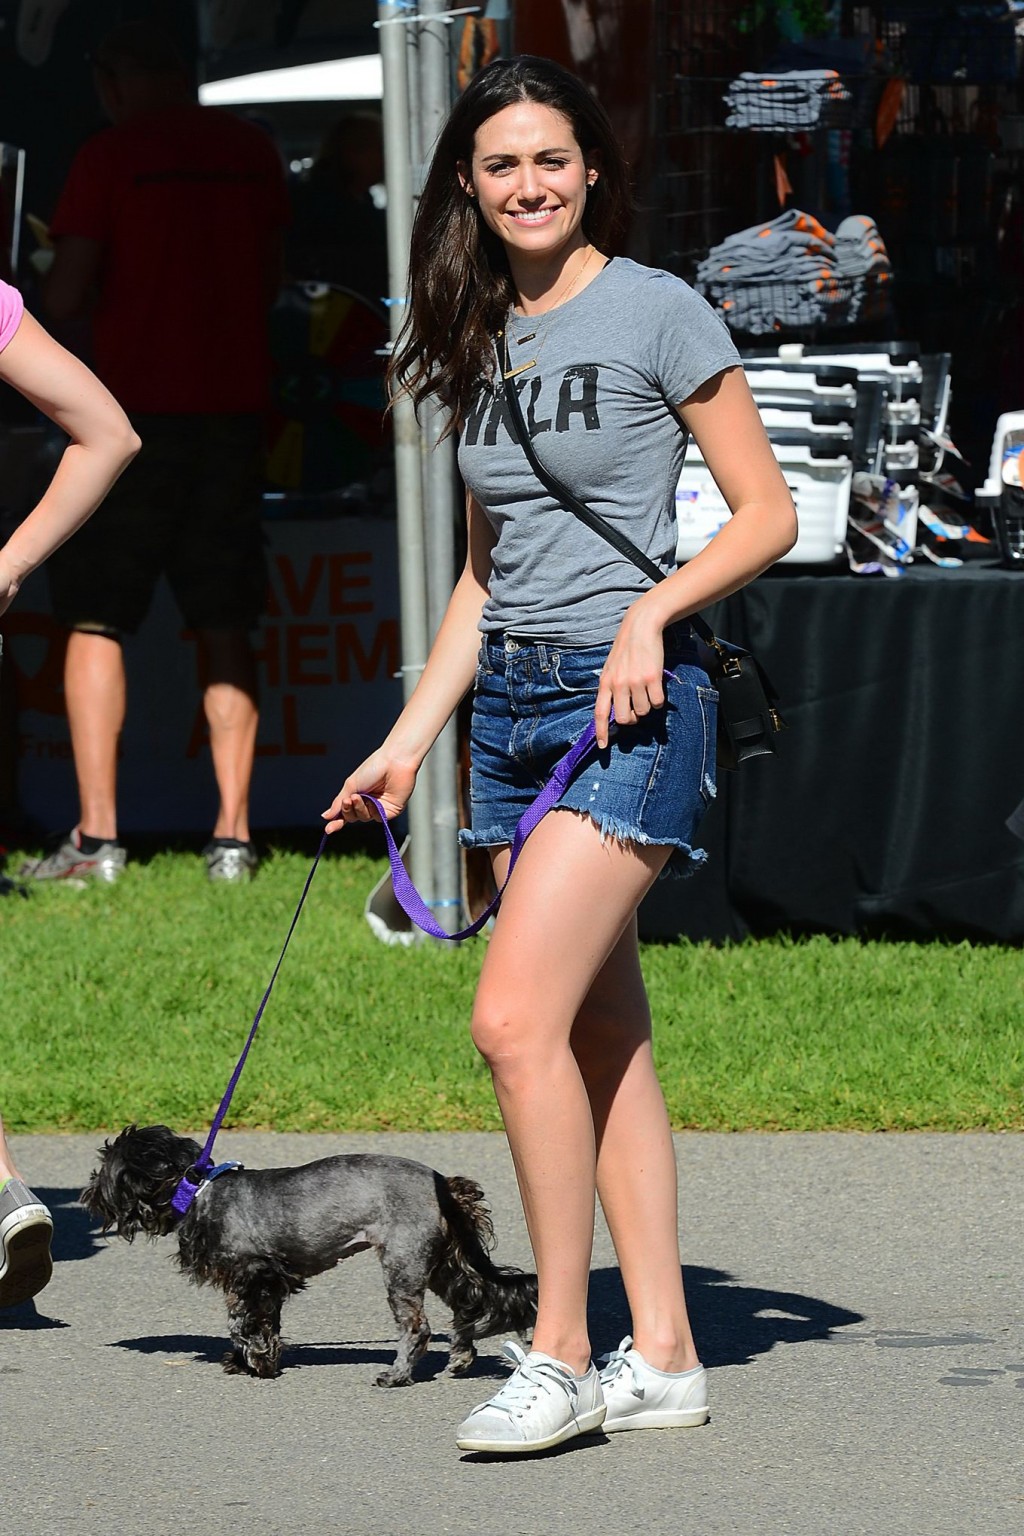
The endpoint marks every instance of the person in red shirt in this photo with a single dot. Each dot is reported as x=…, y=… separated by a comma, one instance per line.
x=169, y=229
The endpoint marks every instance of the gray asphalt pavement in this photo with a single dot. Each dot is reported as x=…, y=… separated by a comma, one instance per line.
x=857, y=1299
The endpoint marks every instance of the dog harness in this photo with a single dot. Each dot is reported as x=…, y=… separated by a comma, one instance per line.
x=187, y=1191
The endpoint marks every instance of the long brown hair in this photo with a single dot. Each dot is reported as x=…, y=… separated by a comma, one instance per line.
x=460, y=283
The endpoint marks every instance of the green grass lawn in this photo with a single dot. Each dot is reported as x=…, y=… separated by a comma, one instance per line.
x=132, y=1002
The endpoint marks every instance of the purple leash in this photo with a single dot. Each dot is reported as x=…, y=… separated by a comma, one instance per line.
x=409, y=898
x=414, y=907
x=189, y=1188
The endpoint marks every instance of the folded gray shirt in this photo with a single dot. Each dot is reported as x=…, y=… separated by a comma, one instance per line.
x=611, y=364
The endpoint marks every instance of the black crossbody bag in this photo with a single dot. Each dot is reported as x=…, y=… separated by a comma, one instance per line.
x=748, y=715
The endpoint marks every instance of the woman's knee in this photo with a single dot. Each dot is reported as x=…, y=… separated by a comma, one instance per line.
x=496, y=1034
x=507, y=1036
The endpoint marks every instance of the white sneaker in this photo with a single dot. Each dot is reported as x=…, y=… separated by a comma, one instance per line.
x=640, y=1397
x=540, y=1405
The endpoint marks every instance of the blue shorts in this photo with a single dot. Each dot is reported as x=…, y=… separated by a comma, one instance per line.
x=651, y=784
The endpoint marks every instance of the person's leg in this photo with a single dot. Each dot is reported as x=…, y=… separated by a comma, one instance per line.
x=94, y=692
x=217, y=571
x=7, y=1166
x=230, y=701
x=636, y=1167
x=101, y=584
x=562, y=916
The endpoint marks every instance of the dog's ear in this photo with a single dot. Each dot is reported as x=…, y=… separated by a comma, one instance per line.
x=132, y=1187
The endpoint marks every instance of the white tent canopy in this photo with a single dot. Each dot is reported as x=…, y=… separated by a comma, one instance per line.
x=356, y=79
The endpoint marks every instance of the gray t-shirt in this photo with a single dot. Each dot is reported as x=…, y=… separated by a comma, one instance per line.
x=612, y=362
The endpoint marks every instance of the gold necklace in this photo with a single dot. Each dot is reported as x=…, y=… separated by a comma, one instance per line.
x=559, y=301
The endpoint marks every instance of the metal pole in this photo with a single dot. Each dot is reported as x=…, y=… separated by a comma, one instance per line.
x=439, y=497
x=408, y=486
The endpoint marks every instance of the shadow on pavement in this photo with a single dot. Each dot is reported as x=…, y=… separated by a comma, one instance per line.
x=299, y=1356
x=25, y=1318
x=75, y=1233
x=732, y=1322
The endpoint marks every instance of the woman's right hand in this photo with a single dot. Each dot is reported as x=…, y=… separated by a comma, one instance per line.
x=385, y=778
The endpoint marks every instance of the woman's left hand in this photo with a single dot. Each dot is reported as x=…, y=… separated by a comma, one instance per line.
x=632, y=679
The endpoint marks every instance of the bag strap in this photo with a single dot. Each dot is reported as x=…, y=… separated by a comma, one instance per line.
x=578, y=508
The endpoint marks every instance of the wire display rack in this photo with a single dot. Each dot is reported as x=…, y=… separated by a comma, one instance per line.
x=825, y=303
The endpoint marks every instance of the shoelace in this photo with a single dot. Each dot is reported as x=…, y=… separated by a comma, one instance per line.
x=529, y=1375
x=613, y=1365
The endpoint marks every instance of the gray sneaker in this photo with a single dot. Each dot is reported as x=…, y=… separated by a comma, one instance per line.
x=25, y=1230
x=68, y=862
x=229, y=861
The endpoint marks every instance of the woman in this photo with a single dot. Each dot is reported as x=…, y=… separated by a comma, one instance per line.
x=101, y=443
x=614, y=363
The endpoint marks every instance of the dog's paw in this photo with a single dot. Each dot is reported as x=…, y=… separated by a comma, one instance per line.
x=393, y=1378
x=265, y=1364
x=249, y=1363
x=461, y=1364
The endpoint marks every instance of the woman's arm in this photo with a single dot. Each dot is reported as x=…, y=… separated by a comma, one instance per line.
x=390, y=772
x=102, y=444
x=724, y=420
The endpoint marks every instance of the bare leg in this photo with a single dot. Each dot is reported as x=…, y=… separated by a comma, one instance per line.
x=94, y=694
x=636, y=1167
x=561, y=917
x=228, y=670
x=8, y=1170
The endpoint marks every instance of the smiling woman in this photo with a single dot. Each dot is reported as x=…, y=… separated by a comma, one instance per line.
x=532, y=189
x=519, y=156
x=515, y=287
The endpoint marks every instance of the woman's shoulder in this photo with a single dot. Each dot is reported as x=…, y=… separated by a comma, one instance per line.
x=654, y=280
x=661, y=303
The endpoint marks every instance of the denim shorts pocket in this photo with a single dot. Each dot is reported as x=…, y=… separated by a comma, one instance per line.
x=578, y=672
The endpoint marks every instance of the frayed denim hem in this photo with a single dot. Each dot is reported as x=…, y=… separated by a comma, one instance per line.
x=493, y=837
x=683, y=862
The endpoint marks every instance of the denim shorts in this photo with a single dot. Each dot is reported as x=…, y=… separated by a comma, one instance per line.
x=650, y=785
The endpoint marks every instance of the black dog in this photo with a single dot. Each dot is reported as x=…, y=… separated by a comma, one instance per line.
x=260, y=1235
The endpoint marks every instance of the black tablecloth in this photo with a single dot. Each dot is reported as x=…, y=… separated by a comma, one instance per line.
x=885, y=810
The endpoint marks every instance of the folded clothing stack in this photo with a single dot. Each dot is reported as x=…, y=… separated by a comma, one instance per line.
x=862, y=257
x=793, y=272
x=785, y=103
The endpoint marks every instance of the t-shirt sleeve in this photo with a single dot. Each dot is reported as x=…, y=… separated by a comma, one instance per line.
x=688, y=341
x=85, y=206
x=11, y=310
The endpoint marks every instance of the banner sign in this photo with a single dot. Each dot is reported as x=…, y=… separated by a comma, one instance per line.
x=328, y=653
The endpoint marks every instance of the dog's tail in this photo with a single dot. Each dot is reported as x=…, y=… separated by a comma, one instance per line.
x=492, y=1297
